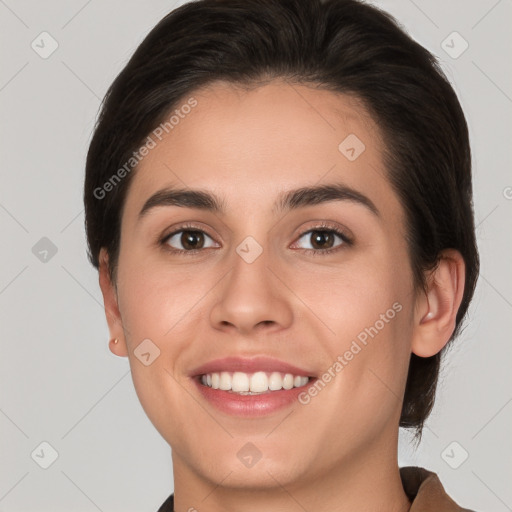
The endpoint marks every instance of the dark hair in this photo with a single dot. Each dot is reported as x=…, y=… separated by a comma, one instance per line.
x=345, y=46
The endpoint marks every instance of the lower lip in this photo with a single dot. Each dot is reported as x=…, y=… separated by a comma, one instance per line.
x=251, y=405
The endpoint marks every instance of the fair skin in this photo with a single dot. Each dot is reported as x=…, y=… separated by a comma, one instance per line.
x=338, y=452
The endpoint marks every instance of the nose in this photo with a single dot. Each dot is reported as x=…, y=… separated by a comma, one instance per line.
x=252, y=297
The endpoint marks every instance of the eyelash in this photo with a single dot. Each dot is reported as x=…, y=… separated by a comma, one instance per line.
x=347, y=241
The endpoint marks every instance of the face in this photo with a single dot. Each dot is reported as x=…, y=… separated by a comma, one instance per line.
x=311, y=297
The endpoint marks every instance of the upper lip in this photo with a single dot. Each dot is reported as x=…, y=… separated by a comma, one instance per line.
x=248, y=365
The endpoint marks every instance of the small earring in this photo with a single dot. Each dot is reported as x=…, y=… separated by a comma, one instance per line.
x=115, y=341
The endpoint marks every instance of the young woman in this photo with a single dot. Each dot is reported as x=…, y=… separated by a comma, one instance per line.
x=279, y=203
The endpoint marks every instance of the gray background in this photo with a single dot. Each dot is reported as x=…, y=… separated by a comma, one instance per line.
x=58, y=381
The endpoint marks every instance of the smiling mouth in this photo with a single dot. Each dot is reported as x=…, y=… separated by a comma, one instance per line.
x=257, y=383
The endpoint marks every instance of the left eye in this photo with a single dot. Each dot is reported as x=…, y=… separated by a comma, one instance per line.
x=322, y=239
x=189, y=239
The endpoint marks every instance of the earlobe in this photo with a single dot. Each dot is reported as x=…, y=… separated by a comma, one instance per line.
x=112, y=313
x=436, y=311
x=117, y=347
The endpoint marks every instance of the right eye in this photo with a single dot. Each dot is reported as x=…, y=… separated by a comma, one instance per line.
x=191, y=240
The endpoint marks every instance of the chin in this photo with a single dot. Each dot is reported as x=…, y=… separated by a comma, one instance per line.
x=264, y=474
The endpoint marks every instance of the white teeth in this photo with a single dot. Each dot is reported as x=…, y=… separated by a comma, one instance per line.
x=275, y=382
x=225, y=381
x=240, y=382
x=288, y=381
x=259, y=382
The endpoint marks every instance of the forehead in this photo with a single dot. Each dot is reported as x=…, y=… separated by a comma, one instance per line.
x=250, y=144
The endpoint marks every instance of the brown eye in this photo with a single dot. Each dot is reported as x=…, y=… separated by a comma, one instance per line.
x=192, y=240
x=189, y=240
x=324, y=240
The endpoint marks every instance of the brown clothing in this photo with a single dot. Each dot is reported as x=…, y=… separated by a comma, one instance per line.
x=426, y=492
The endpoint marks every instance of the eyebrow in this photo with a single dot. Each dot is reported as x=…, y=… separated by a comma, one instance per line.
x=290, y=200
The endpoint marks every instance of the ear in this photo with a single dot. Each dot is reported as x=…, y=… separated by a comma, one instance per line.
x=436, y=310
x=114, y=321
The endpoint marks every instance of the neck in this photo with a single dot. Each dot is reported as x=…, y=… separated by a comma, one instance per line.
x=363, y=482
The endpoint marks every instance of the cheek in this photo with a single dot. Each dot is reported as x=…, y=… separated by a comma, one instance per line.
x=368, y=356
x=157, y=305
x=352, y=295
x=153, y=300
x=363, y=309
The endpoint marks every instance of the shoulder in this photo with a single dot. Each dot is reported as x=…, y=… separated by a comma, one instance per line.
x=167, y=505
x=426, y=492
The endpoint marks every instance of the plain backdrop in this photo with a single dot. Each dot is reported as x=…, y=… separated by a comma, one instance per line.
x=60, y=385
